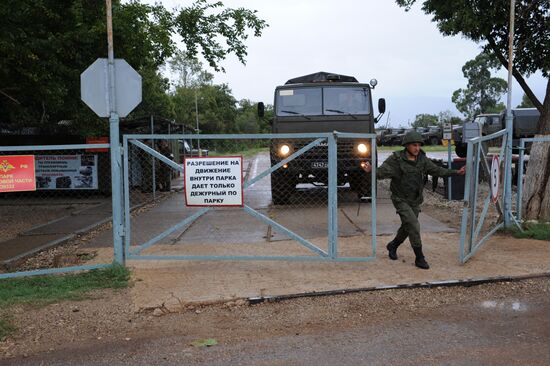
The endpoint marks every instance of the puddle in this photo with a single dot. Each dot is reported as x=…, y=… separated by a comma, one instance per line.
x=503, y=306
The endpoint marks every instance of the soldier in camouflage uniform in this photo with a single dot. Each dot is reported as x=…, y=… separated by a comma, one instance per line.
x=407, y=169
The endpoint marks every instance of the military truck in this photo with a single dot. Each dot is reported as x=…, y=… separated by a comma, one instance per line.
x=433, y=136
x=317, y=103
x=393, y=137
x=524, y=124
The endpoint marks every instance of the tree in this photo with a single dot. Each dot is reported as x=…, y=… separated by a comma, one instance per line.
x=526, y=102
x=483, y=91
x=46, y=44
x=424, y=120
x=189, y=71
x=486, y=22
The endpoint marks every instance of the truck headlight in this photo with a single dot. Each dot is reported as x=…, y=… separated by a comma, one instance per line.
x=363, y=149
x=284, y=150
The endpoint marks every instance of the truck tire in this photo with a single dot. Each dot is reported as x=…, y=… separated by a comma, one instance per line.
x=282, y=188
x=434, y=141
x=461, y=149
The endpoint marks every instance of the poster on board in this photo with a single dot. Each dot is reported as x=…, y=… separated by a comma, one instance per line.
x=17, y=173
x=66, y=172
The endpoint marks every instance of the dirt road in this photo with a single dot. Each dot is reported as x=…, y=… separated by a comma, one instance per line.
x=498, y=324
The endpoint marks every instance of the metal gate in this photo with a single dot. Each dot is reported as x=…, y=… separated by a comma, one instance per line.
x=482, y=215
x=224, y=233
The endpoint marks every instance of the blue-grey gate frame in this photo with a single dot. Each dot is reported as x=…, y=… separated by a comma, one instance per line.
x=471, y=226
x=330, y=255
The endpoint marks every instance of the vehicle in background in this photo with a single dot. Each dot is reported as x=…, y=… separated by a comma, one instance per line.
x=392, y=137
x=525, y=122
x=380, y=134
x=317, y=103
x=433, y=136
x=187, y=151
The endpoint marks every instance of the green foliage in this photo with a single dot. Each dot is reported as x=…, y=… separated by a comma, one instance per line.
x=200, y=26
x=526, y=102
x=48, y=289
x=539, y=231
x=189, y=71
x=487, y=21
x=483, y=91
x=45, y=45
x=424, y=120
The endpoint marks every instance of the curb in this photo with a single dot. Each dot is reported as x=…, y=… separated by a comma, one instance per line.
x=433, y=284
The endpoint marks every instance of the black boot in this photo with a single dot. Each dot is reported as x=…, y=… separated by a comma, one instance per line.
x=392, y=250
x=420, y=261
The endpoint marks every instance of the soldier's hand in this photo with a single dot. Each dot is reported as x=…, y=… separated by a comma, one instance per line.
x=462, y=170
x=366, y=166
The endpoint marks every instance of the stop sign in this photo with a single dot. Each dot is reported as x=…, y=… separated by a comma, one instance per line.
x=94, y=87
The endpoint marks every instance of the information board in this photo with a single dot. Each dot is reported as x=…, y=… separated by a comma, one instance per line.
x=17, y=173
x=66, y=172
x=214, y=181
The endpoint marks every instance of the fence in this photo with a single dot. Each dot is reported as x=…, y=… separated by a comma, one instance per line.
x=70, y=207
x=298, y=189
x=482, y=213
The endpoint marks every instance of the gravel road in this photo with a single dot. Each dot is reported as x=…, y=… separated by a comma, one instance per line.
x=504, y=323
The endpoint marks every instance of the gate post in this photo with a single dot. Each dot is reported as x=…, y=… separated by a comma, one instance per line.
x=332, y=197
x=116, y=188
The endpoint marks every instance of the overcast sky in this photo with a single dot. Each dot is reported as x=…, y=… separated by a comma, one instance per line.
x=416, y=67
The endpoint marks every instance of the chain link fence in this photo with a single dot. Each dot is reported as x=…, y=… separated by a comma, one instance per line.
x=65, y=219
x=484, y=190
x=286, y=196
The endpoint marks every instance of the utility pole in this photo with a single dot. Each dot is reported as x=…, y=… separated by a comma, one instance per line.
x=197, y=121
x=116, y=161
x=509, y=124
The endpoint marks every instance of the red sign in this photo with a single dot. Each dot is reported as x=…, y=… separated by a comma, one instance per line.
x=97, y=140
x=17, y=173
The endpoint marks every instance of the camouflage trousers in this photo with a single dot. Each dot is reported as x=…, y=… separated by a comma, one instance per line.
x=410, y=227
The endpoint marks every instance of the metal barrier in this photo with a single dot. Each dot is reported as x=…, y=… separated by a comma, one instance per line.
x=476, y=229
x=73, y=185
x=520, y=169
x=292, y=189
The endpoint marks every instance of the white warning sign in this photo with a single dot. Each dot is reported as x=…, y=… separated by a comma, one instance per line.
x=214, y=181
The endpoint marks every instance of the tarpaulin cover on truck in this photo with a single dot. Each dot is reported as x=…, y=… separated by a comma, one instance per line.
x=322, y=77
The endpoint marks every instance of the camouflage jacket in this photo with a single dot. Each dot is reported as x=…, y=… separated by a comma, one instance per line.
x=407, y=176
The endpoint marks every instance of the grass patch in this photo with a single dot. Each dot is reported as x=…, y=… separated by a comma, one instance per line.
x=41, y=290
x=539, y=231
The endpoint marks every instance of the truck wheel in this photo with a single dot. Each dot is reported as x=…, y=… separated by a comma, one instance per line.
x=282, y=188
x=461, y=149
x=434, y=141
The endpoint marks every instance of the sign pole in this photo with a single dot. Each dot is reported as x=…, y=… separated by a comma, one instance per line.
x=116, y=161
x=447, y=136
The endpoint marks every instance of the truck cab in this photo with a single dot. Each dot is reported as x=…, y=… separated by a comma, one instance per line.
x=524, y=125
x=317, y=103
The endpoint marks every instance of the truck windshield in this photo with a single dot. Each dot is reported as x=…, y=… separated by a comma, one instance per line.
x=346, y=100
x=323, y=101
